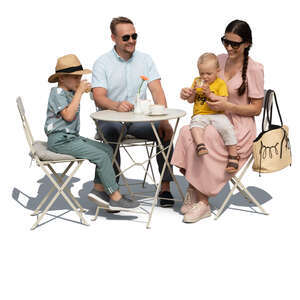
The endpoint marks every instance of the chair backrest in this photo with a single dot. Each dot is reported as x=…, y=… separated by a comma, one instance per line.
x=25, y=124
x=92, y=98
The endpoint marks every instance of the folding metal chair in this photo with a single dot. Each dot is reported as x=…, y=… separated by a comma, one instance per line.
x=127, y=142
x=131, y=141
x=237, y=184
x=46, y=159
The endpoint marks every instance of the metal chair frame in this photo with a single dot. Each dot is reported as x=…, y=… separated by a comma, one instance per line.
x=59, y=184
x=237, y=184
x=125, y=142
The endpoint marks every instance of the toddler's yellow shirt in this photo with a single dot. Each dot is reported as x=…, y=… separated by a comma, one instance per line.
x=218, y=87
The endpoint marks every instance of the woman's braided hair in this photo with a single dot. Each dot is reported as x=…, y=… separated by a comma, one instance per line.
x=242, y=29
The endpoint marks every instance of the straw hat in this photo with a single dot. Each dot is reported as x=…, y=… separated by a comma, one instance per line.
x=68, y=64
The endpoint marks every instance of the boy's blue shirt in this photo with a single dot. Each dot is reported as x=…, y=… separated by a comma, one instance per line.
x=58, y=100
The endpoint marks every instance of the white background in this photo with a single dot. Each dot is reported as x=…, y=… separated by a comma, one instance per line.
x=240, y=256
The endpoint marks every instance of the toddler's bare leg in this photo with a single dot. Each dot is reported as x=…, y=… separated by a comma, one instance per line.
x=233, y=159
x=197, y=134
x=232, y=150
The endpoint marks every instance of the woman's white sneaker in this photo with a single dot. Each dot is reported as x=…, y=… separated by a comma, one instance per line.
x=199, y=211
x=189, y=200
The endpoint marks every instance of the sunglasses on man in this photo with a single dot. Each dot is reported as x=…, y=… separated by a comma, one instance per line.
x=126, y=37
x=234, y=45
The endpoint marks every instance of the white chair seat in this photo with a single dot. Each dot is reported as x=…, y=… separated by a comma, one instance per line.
x=44, y=154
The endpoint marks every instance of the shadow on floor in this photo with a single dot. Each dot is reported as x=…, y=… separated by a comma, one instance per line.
x=31, y=201
x=237, y=199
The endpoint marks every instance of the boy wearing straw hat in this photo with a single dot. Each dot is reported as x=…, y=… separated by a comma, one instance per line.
x=62, y=128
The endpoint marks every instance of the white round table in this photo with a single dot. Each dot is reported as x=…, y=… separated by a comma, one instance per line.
x=115, y=116
x=126, y=117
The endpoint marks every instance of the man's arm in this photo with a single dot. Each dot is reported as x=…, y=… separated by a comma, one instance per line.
x=101, y=100
x=99, y=84
x=157, y=92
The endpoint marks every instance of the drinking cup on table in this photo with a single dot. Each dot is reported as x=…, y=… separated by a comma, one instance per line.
x=156, y=109
x=144, y=106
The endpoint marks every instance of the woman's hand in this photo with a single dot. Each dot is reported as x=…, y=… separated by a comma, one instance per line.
x=218, y=103
x=186, y=93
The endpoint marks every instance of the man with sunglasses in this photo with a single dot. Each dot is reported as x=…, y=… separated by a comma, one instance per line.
x=115, y=82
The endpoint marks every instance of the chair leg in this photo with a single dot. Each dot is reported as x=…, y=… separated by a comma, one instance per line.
x=238, y=184
x=114, y=161
x=149, y=164
x=59, y=178
x=225, y=201
x=37, y=210
x=96, y=214
x=59, y=191
x=151, y=167
x=242, y=192
x=251, y=198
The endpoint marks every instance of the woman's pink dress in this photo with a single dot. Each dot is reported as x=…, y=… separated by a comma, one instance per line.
x=207, y=173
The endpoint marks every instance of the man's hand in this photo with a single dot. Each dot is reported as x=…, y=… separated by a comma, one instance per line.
x=125, y=106
x=165, y=131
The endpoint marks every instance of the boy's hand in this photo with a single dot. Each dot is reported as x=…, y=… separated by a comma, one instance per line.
x=84, y=86
x=206, y=90
x=186, y=93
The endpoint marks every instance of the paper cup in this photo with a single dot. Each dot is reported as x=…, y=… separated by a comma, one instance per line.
x=156, y=109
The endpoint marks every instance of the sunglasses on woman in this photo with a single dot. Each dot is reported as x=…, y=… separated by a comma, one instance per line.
x=126, y=37
x=234, y=45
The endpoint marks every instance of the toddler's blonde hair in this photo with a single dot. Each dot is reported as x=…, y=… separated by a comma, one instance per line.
x=207, y=57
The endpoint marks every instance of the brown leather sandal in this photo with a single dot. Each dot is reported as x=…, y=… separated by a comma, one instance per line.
x=201, y=149
x=231, y=166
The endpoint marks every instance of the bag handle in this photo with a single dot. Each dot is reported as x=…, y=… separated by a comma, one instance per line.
x=268, y=110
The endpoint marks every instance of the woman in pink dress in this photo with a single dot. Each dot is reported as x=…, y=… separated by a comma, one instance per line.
x=245, y=82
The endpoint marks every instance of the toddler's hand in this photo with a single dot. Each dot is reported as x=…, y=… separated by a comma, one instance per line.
x=206, y=90
x=186, y=93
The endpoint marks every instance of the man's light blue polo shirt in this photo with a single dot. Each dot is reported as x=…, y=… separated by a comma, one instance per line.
x=121, y=78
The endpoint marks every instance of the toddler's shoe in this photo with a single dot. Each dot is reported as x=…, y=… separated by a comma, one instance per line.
x=201, y=149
